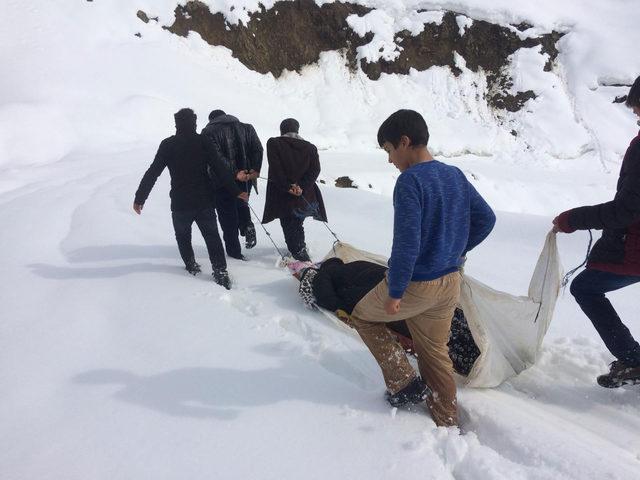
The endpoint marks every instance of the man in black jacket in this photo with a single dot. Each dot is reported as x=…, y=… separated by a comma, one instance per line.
x=292, y=193
x=242, y=151
x=614, y=262
x=188, y=157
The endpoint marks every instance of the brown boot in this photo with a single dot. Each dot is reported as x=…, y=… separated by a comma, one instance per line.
x=619, y=375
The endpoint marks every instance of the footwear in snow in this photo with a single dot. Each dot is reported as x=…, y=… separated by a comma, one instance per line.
x=416, y=392
x=250, y=239
x=239, y=257
x=302, y=255
x=221, y=277
x=619, y=375
x=193, y=268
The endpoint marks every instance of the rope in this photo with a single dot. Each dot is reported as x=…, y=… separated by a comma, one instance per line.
x=567, y=277
x=266, y=231
x=316, y=212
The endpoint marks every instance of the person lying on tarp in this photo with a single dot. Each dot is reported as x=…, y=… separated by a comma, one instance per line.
x=338, y=287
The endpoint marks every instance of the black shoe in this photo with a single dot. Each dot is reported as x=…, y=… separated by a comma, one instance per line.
x=193, y=268
x=416, y=392
x=302, y=255
x=221, y=277
x=619, y=375
x=250, y=239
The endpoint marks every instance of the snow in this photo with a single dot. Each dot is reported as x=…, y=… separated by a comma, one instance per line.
x=115, y=364
x=464, y=23
x=384, y=28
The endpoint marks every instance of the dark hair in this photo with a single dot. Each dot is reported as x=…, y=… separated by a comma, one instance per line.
x=185, y=120
x=184, y=115
x=404, y=122
x=215, y=114
x=289, y=125
x=633, y=99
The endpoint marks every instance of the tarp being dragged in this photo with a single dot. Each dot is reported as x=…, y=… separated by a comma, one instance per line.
x=507, y=329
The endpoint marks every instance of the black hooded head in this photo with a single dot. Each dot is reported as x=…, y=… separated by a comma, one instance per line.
x=215, y=114
x=289, y=125
x=185, y=121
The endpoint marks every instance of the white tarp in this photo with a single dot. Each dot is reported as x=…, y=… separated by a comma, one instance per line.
x=507, y=329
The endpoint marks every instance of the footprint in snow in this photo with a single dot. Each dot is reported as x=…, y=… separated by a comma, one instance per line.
x=240, y=300
x=357, y=367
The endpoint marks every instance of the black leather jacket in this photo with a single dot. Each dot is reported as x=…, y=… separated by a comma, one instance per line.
x=238, y=142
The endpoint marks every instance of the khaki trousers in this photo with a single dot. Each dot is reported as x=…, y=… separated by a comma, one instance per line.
x=427, y=308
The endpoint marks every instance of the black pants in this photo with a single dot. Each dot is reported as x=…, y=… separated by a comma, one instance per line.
x=235, y=217
x=293, y=233
x=589, y=288
x=206, y=221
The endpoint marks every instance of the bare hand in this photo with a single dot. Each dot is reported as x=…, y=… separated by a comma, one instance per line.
x=242, y=176
x=556, y=228
x=392, y=305
x=244, y=196
x=253, y=174
x=137, y=208
x=295, y=190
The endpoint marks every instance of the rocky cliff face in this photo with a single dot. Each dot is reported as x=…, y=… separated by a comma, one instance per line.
x=293, y=34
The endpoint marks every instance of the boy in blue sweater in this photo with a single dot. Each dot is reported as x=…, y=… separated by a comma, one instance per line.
x=438, y=217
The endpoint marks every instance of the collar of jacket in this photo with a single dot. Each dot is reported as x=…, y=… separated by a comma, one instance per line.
x=224, y=119
x=292, y=135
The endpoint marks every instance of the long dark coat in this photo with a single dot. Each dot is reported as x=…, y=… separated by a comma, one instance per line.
x=618, y=250
x=293, y=160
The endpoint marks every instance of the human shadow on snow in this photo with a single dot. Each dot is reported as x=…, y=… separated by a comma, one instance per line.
x=57, y=272
x=261, y=257
x=104, y=253
x=223, y=393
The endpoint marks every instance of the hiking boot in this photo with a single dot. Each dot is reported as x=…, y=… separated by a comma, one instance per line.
x=416, y=392
x=193, y=268
x=250, y=239
x=619, y=375
x=301, y=255
x=221, y=277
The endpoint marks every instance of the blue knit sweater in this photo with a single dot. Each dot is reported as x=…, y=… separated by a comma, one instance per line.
x=438, y=218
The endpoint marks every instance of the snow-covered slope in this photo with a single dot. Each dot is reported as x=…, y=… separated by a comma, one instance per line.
x=116, y=365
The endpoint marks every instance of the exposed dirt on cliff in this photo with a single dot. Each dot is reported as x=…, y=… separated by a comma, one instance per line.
x=293, y=34
x=287, y=37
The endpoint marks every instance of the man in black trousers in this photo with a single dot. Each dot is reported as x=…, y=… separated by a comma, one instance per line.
x=242, y=152
x=191, y=160
x=614, y=261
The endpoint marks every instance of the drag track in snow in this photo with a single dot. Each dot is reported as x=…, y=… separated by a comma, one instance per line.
x=117, y=364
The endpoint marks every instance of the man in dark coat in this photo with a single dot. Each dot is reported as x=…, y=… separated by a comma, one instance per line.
x=292, y=193
x=242, y=151
x=188, y=156
x=614, y=261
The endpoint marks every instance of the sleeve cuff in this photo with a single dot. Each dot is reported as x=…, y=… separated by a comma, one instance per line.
x=564, y=224
x=396, y=293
